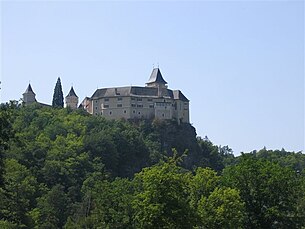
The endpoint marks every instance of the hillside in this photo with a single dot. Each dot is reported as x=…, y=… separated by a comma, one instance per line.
x=63, y=168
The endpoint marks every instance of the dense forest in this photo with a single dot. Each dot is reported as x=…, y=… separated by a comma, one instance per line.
x=61, y=168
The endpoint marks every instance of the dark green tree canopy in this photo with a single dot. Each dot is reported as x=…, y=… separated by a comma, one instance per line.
x=58, y=97
x=63, y=168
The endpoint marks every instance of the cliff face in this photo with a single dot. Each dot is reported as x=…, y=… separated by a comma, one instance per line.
x=195, y=151
x=183, y=139
x=168, y=136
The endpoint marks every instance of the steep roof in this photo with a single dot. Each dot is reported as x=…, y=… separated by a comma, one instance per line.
x=29, y=89
x=156, y=77
x=72, y=93
x=125, y=91
x=137, y=91
x=178, y=95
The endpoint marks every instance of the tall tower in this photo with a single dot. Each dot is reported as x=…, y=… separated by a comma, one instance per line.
x=72, y=99
x=29, y=95
x=156, y=80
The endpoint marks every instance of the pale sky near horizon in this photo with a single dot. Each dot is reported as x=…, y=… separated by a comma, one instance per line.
x=241, y=63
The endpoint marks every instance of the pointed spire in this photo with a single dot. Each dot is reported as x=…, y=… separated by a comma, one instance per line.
x=29, y=89
x=156, y=77
x=72, y=93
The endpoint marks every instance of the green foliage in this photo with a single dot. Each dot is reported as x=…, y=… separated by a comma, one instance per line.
x=67, y=169
x=210, y=155
x=296, y=161
x=161, y=198
x=270, y=192
x=58, y=97
x=223, y=208
x=18, y=194
x=4, y=224
x=112, y=204
x=202, y=184
x=5, y=135
x=52, y=209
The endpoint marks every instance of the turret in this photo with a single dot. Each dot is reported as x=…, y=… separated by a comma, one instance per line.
x=29, y=95
x=72, y=99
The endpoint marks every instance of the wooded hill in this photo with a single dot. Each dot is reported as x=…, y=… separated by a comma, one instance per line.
x=67, y=169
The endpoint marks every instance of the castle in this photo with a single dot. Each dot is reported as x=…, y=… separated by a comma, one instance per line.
x=154, y=100
x=29, y=97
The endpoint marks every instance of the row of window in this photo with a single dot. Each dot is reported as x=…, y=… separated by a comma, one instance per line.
x=132, y=98
x=132, y=105
x=110, y=112
x=140, y=106
x=134, y=112
x=140, y=99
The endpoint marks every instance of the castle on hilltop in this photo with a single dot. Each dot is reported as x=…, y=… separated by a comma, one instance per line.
x=154, y=100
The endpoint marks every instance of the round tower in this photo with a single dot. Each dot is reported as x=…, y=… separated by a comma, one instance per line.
x=72, y=99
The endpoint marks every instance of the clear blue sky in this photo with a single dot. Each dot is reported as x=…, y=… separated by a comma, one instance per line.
x=241, y=63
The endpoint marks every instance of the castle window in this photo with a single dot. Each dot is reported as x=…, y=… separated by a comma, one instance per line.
x=140, y=105
x=119, y=105
x=133, y=105
x=106, y=106
x=124, y=111
x=139, y=113
x=149, y=100
x=95, y=101
x=133, y=99
x=110, y=112
x=139, y=99
x=151, y=106
x=95, y=108
x=106, y=99
x=134, y=111
x=120, y=99
x=162, y=115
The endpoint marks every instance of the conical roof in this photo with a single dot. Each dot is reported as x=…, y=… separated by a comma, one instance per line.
x=156, y=77
x=29, y=89
x=72, y=93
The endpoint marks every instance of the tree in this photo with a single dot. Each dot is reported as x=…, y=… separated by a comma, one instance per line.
x=222, y=209
x=202, y=184
x=58, y=97
x=270, y=192
x=211, y=154
x=52, y=209
x=5, y=135
x=18, y=194
x=161, y=200
x=111, y=203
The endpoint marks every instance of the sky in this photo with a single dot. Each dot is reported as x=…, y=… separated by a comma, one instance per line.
x=240, y=63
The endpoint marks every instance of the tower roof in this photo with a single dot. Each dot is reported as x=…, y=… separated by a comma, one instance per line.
x=29, y=89
x=156, y=77
x=72, y=93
